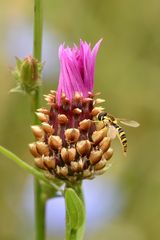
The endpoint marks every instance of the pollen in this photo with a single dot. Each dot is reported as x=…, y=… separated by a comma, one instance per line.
x=70, y=145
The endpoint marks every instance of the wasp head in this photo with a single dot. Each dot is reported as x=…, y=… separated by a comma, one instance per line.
x=102, y=116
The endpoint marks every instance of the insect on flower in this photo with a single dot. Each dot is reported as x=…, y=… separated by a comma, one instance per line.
x=112, y=122
x=69, y=146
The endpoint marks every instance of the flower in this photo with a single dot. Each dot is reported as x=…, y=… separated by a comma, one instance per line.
x=70, y=145
x=77, y=69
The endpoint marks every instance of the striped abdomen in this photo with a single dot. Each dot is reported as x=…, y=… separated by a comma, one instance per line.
x=122, y=136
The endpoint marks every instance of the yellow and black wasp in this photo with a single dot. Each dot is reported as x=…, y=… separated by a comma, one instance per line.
x=111, y=121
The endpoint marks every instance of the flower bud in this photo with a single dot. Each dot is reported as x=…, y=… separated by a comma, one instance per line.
x=72, y=135
x=33, y=149
x=62, y=119
x=42, y=117
x=68, y=155
x=105, y=144
x=37, y=131
x=42, y=148
x=43, y=110
x=108, y=154
x=47, y=128
x=77, y=112
x=96, y=110
x=83, y=147
x=87, y=173
x=49, y=162
x=101, y=164
x=39, y=163
x=74, y=166
x=99, y=101
x=55, y=142
x=27, y=74
x=62, y=171
x=97, y=136
x=95, y=156
x=85, y=125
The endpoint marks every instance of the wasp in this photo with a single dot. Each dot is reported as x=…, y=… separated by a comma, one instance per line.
x=112, y=122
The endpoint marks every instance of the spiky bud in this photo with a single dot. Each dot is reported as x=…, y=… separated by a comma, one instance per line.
x=27, y=74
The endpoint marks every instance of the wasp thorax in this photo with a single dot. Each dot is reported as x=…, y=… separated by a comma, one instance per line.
x=70, y=145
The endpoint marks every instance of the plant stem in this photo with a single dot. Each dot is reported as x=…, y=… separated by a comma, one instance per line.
x=37, y=53
x=38, y=26
x=39, y=175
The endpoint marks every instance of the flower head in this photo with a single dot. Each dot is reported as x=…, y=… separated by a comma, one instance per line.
x=77, y=69
x=70, y=145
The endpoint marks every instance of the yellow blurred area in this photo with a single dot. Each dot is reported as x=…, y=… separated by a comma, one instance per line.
x=127, y=75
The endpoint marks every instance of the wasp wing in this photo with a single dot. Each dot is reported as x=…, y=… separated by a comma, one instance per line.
x=112, y=132
x=130, y=123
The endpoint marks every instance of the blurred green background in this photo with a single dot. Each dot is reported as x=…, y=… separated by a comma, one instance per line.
x=127, y=75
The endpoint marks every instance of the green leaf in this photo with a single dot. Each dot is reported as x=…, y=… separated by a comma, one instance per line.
x=17, y=89
x=75, y=209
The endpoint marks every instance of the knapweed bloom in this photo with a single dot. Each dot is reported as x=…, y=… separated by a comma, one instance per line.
x=70, y=144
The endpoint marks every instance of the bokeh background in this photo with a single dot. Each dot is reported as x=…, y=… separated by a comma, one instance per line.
x=125, y=202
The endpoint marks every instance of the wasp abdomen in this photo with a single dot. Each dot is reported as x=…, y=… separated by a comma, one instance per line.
x=122, y=136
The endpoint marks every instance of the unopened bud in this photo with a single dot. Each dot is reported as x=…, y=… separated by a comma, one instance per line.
x=97, y=136
x=62, y=171
x=103, y=170
x=33, y=149
x=47, y=128
x=49, y=162
x=80, y=164
x=27, y=73
x=96, y=110
x=74, y=166
x=85, y=125
x=62, y=119
x=44, y=110
x=42, y=148
x=42, y=117
x=39, y=163
x=83, y=147
x=77, y=166
x=55, y=142
x=99, y=101
x=77, y=111
x=95, y=156
x=105, y=144
x=72, y=135
x=68, y=155
x=108, y=154
x=101, y=164
x=37, y=131
x=87, y=173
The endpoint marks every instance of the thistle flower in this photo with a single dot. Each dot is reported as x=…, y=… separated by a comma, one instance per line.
x=70, y=145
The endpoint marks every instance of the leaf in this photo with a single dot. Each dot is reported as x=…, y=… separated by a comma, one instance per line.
x=17, y=89
x=75, y=209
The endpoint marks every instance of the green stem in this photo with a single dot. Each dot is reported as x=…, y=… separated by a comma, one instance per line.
x=37, y=53
x=38, y=175
x=75, y=234
x=38, y=27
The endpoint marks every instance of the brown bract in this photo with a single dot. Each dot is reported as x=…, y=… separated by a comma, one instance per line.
x=69, y=144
